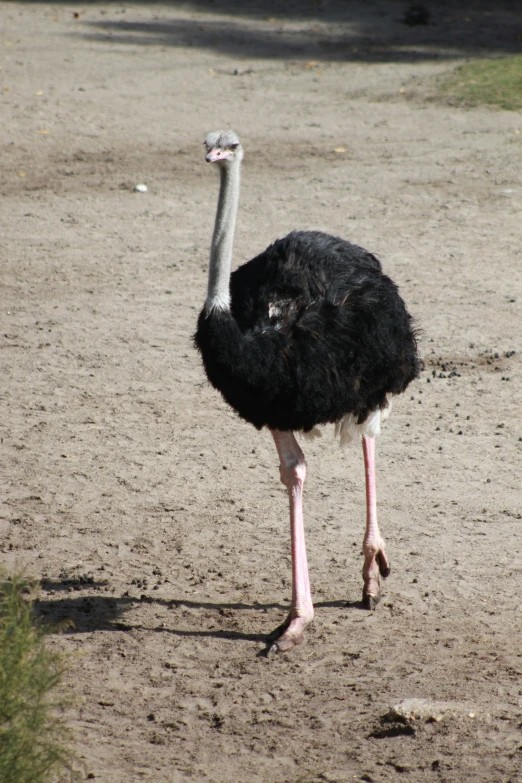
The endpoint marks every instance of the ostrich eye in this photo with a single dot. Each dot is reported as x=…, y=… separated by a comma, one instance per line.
x=234, y=145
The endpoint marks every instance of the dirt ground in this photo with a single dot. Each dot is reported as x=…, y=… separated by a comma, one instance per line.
x=153, y=516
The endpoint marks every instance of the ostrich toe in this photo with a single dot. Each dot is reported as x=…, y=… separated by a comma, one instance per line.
x=289, y=634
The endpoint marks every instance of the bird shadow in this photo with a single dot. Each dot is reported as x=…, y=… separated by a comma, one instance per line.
x=85, y=613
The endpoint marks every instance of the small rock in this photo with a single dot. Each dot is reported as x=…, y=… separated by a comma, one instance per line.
x=141, y=188
x=426, y=710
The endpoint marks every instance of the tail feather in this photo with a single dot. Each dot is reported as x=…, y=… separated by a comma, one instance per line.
x=347, y=429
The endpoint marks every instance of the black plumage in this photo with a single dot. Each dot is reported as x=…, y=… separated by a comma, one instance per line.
x=315, y=331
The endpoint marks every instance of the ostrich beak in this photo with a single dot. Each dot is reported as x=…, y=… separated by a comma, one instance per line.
x=217, y=154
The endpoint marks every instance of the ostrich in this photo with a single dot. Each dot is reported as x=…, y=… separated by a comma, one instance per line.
x=309, y=332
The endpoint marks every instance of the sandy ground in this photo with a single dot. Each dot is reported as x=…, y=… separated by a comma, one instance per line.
x=153, y=516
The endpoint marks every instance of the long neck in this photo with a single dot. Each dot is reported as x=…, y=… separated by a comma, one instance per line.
x=218, y=295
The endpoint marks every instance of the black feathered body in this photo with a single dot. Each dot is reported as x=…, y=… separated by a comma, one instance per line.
x=315, y=331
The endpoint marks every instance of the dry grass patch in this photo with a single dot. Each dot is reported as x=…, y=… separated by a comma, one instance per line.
x=493, y=82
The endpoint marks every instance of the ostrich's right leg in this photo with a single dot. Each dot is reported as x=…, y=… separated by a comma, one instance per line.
x=293, y=472
x=376, y=563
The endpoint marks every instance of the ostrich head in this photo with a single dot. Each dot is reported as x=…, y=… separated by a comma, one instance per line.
x=223, y=147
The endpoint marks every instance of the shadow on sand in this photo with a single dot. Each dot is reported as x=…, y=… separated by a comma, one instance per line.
x=88, y=613
x=327, y=30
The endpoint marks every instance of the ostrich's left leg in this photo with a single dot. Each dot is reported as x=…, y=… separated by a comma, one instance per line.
x=293, y=471
x=376, y=562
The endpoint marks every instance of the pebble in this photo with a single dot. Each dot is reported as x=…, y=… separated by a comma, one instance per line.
x=426, y=710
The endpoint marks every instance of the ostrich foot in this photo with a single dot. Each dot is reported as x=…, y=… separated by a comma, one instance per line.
x=376, y=564
x=290, y=633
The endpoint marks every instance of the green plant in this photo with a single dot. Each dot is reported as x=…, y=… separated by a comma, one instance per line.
x=33, y=737
x=494, y=82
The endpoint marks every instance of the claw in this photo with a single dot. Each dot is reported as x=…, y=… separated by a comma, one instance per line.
x=384, y=566
x=278, y=632
x=284, y=644
x=287, y=635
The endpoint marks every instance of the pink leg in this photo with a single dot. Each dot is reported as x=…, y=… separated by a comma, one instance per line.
x=375, y=560
x=293, y=472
